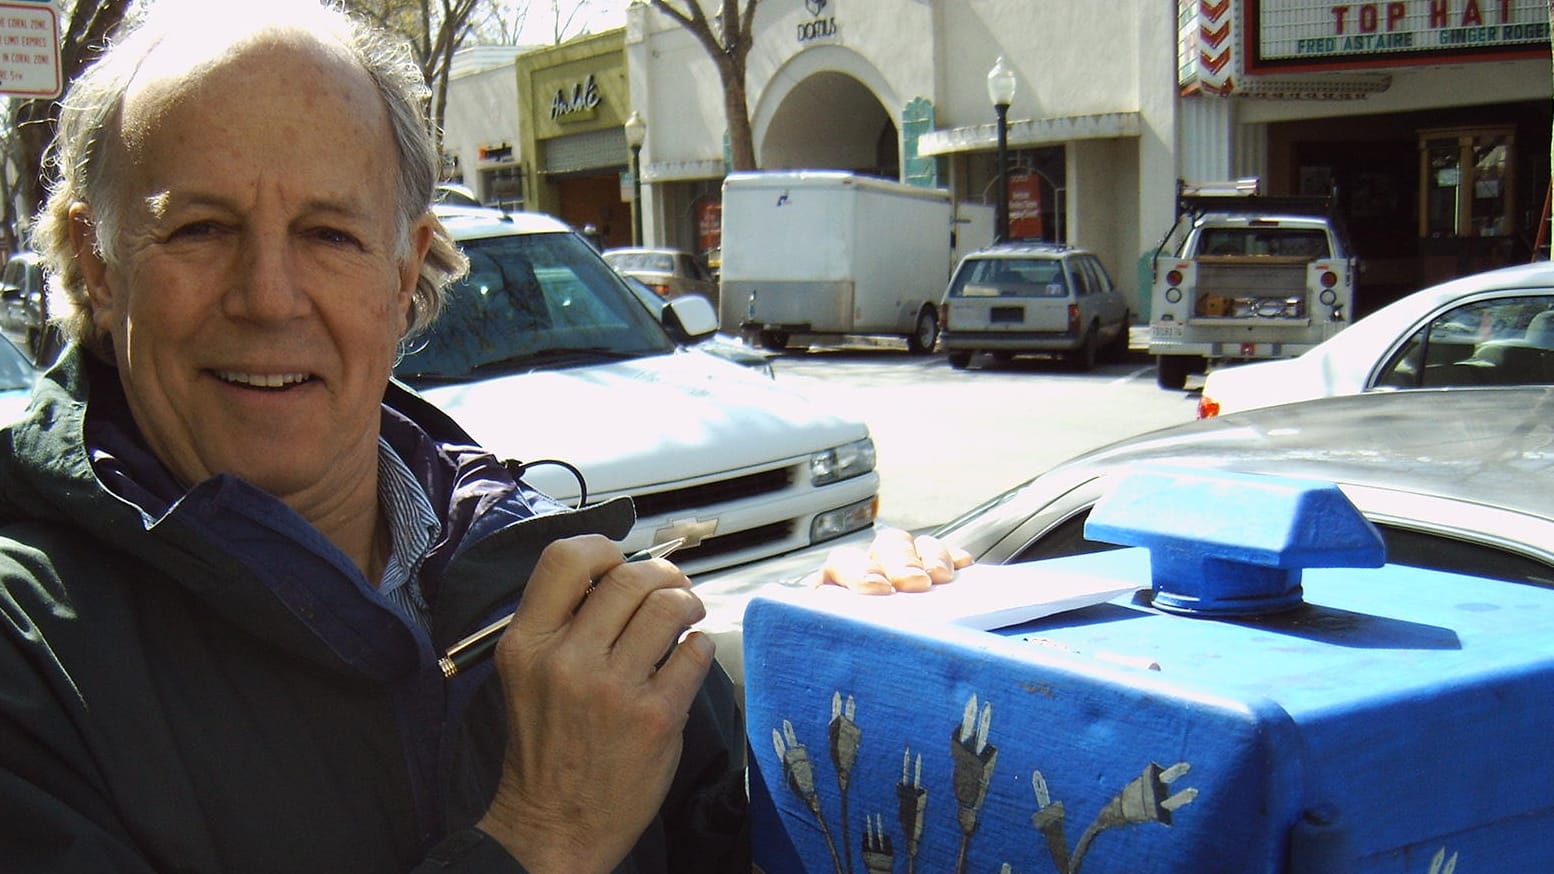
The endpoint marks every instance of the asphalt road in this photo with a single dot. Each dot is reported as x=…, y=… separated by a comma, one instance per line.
x=948, y=439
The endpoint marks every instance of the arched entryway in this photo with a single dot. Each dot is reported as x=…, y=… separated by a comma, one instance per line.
x=835, y=113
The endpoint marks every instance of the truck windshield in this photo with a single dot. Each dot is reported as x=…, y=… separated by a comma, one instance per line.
x=1291, y=242
x=531, y=301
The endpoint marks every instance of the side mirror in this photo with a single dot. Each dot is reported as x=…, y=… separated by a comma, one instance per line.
x=689, y=318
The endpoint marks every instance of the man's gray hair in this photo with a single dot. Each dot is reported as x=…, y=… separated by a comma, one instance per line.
x=87, y=151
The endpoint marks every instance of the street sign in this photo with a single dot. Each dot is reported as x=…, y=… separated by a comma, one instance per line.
x=29, y=50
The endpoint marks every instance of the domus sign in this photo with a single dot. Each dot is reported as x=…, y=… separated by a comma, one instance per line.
x=820, y=25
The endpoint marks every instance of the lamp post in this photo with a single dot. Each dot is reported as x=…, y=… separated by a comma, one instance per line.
x=1000, y=90
x=636, y=132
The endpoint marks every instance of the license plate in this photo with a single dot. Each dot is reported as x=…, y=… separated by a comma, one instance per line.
x=1006, y=315
x=1167, y=332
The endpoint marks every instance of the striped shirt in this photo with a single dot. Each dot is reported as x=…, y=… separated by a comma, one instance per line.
x=413, y=529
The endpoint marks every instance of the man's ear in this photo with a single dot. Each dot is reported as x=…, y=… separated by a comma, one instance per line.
x=94, y=271
x=410, y=271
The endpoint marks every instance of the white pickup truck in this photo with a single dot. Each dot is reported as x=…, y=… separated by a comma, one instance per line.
x=545, y=356
x=1245, y=276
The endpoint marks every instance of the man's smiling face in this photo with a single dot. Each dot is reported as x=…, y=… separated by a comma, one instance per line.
x=258, y=285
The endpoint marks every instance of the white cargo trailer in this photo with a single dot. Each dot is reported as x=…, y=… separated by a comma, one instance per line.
x=832, y=253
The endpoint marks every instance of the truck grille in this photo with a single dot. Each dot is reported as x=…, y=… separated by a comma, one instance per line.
x=706, y=494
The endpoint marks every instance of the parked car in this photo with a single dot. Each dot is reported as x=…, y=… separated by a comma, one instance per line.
x=1454, y=479
x=1493, y=328
x=545, y=355
x=17, y=378
x=24, y=307
x=722, y=345
x=669, y=272
x=1022, y=298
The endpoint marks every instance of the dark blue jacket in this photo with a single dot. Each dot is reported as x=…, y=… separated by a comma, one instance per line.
x=207, y=684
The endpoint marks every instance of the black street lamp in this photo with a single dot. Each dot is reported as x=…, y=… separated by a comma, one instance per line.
x=1000, y=90
x=636, y=132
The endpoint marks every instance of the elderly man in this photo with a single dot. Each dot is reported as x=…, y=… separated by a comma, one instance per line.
x=232, y=551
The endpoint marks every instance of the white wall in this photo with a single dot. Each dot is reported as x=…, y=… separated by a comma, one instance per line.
x=482, y=110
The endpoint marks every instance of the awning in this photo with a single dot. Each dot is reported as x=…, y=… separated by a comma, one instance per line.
x=1030, y=132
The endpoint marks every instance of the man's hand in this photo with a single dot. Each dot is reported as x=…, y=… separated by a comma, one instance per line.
x=894, y=562
x=594, y=728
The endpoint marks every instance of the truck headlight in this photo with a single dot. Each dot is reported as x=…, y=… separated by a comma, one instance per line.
x=843, y=462
x=843, y=520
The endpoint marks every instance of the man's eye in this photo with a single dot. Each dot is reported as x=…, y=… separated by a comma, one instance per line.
x=194, y=230
x=335, y=236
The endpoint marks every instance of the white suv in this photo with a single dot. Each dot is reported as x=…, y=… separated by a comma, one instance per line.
x=543, y=353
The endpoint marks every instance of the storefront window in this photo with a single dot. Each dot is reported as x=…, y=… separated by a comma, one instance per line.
x=503, y=186
x=1465, y=183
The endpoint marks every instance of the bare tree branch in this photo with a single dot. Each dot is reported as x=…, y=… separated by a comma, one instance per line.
x=728, y=45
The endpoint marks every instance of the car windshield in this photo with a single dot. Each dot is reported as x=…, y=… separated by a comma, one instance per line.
x=531, y=301
x=1010, y=277
x=653, y=261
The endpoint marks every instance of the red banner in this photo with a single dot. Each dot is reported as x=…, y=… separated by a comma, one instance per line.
x=1025, y=207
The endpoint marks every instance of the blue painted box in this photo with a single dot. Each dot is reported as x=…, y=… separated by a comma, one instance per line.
x=1394, y=720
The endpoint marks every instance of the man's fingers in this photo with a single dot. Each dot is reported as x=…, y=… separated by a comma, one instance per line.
x=561, y=579
x=895, y=561
x=651, y=631
x=855, y=569
x=940, y=559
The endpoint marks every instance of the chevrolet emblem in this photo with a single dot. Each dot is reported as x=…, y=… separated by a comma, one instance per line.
x=693, y=530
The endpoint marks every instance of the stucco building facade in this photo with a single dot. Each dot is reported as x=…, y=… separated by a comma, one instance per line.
x=1430, y=118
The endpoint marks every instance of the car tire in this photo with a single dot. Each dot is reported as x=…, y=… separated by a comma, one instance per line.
x=774, y=340
x=925, y=333
x=1171, y=370
x=960, y=360
x=1083, y=358
x=1117, y=347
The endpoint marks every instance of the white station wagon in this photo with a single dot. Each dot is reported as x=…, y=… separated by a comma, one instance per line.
x=1021, y=298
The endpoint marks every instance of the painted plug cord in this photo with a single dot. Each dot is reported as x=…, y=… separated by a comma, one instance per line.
x=1143, y=800
x=800, y=774
x=878, y=855
x=845, y=737
x=911, y=802
x=973, y=759
x=1048, y=819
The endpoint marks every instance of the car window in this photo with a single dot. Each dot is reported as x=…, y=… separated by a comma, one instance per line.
x=1503, y=341
x=530, y=298
x=1081, y=279
x=653, y=261
x=14, y=279
x=1009, y=277
x=1291, y=242
x=1100, y=280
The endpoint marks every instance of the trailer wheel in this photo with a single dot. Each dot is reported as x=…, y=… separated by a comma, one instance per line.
x=1171, y=370
x=774, y=340
x=925, y=334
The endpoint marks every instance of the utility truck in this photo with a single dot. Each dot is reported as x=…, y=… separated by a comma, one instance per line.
x=1242, y=275
x=830, y=254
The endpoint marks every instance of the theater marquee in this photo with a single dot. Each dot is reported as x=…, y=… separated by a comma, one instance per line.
x=1293, y=35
